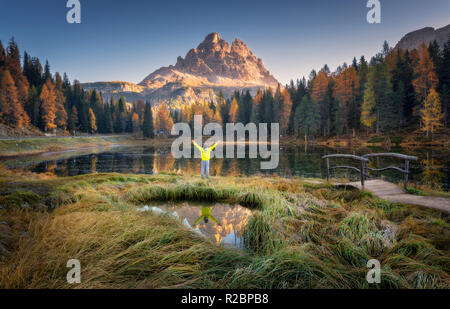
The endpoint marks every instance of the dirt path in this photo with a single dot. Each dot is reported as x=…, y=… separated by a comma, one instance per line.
x=393, y=193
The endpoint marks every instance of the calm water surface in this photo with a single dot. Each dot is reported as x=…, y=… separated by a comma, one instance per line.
x=221, y=223
x=432, y=168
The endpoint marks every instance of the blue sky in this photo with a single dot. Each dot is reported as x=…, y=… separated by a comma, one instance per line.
x=127, y=40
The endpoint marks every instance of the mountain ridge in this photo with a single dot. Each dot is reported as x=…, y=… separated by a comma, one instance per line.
x=414, y=39
x=213, y=66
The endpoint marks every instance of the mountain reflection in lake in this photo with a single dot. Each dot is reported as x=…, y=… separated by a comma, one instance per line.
x=431, y=169
x=222, y=223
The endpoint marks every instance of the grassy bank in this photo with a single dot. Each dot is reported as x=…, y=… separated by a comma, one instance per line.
x=301, y=235
x=32, y=146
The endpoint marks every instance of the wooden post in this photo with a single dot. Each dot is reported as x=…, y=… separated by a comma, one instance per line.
x=366, y=170
x=362, y=174
x=406, y=173
x=328, y=170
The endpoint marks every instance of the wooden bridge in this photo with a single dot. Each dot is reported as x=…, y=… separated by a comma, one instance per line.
x=383, y=189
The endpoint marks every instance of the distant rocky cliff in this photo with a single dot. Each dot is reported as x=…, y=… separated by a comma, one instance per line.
x=426, y=35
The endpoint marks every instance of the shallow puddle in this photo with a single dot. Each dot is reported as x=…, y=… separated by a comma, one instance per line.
x=222, y=223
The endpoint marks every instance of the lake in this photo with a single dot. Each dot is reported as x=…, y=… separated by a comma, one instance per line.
x=432, y=168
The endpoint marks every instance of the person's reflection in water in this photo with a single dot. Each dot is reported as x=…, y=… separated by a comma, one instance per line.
x=206, y=215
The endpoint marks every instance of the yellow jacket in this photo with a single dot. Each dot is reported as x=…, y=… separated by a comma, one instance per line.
x=206, y=154
x=206, y=212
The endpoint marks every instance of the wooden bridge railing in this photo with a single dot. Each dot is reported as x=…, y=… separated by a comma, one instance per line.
x=405, y=171
x=361, y=169
x=364, y=166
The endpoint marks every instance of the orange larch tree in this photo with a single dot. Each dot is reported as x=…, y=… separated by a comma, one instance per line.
x=11, y=110
x=233, y=110
x=48, y=105
x=425, y=76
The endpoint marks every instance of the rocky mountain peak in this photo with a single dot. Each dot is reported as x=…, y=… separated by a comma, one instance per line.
x=213, y=43
x=212, y=37
x=240, y=48
x=215, y=63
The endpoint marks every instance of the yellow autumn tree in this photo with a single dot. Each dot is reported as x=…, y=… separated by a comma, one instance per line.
x=286, y=109
x=255, y=108
x=163, y=119
x=92, y=121
x=233, y=110
x=368, y=116
x=424, y=71
x=346, y=90
x=217, y=116
x=431, y=113
x=61, y=116
x=320, y=86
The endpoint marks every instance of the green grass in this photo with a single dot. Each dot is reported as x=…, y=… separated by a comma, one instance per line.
x=301, y=235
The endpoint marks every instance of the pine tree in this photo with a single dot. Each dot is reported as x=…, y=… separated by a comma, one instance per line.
x=446, y=103
x=122, y=105
x=73, y=119
x=320, y=94
x=2, y=55
x=147, y=127
x=245, y=107
x=96, y=103
x=431, y=113
x=47, y=73
x=80, y=101
x=445, y=81
x=33, y=106
x=109, y=128
x=60, y=103
x=12, y=62
x=387, y=119
x=268, y=107
x=307, y=118
x=121, y=116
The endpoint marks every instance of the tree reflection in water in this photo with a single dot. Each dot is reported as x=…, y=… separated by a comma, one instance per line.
x=225, y=224
x=431, y=169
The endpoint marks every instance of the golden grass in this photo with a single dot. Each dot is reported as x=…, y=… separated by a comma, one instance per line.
x=301, y=235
